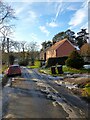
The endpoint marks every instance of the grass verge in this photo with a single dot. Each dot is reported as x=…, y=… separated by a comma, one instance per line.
x=65, y=69
x=73, y=70
x=37, y=65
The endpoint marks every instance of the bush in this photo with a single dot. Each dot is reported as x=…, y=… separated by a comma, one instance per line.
x=75, y=60
x=57, y=60
x=23, y=62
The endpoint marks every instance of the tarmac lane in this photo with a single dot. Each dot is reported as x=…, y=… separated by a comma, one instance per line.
x=30, y=96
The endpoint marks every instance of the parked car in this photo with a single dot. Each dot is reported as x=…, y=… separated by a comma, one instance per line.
x=13, y=70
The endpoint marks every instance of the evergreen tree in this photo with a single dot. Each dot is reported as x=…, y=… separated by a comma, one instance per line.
x=82, y=37
x=75, y=60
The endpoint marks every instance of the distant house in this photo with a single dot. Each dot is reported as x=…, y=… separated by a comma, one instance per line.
x=43, y=54
x=59, y=49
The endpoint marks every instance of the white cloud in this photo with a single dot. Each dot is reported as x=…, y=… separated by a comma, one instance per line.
x=59, y=10
x=78, y=18
x=62, y=0
x=85, y=3
x=43, y=1
x=71, y=8
x=26, y=1
x=32, y=15
x=44, y=30
x=34, y=36
x=18, y=11
x=52, y=24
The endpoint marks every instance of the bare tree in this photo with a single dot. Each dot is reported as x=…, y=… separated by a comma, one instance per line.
x=6, y=14
x=12, y=45
x=32, y=47
x=22, y=44
x=6, y=32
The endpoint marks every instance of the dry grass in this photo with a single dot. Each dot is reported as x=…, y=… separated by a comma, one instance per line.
x=83, y=90
x=80, y=81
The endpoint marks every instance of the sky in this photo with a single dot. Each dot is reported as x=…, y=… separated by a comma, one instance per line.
x=40, y=20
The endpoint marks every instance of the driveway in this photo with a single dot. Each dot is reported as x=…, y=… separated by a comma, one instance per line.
x=33, y=95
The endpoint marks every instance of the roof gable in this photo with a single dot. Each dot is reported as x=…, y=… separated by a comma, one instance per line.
x=58, y=44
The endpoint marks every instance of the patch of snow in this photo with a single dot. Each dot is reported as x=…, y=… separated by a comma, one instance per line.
x=9, y=83
x=13, y=79
x=60, y=83
x=61, y=101
x=45, y=90
x=9, y=116
x=55, y=78
x=87, y=66
x=66, y=84
x=42, y=84
x=70, y=86
x=36, y=80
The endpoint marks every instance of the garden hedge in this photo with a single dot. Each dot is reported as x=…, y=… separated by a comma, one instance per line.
x=55, y=61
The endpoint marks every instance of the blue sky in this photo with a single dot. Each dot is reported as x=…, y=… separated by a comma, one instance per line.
x=41, y=20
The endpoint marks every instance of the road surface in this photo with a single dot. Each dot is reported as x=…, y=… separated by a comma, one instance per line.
x=34, y=95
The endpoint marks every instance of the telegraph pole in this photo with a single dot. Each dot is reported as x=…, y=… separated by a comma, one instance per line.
x=8, y=50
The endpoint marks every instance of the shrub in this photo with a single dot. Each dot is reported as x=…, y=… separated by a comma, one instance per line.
x=57, y=60
x=23, y=62
x=75, y=60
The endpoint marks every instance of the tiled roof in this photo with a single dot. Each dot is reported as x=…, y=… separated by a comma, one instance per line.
x=57, y=44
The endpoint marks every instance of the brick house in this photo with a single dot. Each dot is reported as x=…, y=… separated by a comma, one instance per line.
x=59, y=49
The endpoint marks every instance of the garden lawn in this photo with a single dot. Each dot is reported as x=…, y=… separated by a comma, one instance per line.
x=37, y=65
x=73, y=70
x=65, y=69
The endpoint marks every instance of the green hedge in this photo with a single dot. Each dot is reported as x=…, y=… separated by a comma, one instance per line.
x=55, y=61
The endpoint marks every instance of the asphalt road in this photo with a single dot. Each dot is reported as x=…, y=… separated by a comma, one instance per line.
x=33, y=95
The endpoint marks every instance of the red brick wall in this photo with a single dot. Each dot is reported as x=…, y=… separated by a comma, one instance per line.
x=65, y=49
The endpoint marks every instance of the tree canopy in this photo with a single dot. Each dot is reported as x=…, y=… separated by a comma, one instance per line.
x=85, y=50
x=81, y=39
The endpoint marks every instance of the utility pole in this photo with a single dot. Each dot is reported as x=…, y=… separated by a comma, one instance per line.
x=8, y=50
